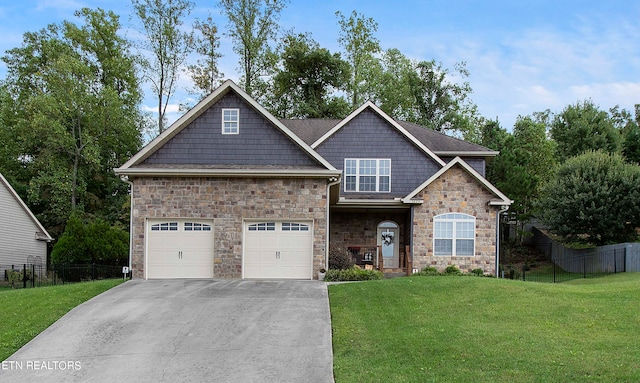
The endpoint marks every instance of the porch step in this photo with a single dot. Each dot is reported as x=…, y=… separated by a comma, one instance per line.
x=394, y=273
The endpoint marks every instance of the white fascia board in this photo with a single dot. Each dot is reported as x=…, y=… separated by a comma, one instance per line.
x=202, y=106
x=503, y=200
x=44, y=236
x=489, y=153
x=372, y=203
x=155, y=172
x=387, y=118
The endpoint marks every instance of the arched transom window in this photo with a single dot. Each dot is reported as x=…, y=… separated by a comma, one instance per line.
x=454, y=235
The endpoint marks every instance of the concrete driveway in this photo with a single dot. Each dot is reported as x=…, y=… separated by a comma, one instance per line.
x=186, y=331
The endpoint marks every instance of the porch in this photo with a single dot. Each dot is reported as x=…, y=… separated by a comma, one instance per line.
x=370, y=257
x=375, y=238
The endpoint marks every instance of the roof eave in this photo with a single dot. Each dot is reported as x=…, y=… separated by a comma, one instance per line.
x=322, y=173
x=479, y=153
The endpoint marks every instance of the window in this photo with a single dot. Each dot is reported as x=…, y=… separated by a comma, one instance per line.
x=454, y=235
x=264, y=226
x=165, y=226
x=194, y=226
x=367, y=175
x=230, y=121
x=292, y=226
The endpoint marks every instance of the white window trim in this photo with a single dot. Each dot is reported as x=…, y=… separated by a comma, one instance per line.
x=357, y=175
x=465, y=218
x=237, y=121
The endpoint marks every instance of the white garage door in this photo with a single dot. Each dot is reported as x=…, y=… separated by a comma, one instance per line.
x=180, y=249
x=278, y=250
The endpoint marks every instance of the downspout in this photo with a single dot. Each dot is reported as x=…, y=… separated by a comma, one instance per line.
x=126, y=179
x=332, y=181
x=502, y=210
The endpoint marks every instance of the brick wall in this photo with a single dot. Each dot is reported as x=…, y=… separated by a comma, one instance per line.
x=455, y=192
x=227, y=201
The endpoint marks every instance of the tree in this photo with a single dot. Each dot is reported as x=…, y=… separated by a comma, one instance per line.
x=205, y=73
x=394, y=94
x=357, y=39
x=303, y=87
x=443, y=104
x=630, y=131
x=167, y=45
x=73, y=99
x=252, y=24
x=593, y=198
x=583, y=127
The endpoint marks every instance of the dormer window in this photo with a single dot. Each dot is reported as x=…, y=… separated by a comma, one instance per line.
x=230, y=121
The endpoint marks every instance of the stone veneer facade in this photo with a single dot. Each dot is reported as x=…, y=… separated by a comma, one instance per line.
x=455, y=192
x=227, y=201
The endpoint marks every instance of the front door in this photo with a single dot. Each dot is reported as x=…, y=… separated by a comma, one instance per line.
x=388, y=240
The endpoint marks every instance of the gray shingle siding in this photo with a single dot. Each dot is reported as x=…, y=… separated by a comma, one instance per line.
x=369, y=136
x=478, y=164
x=259, y=142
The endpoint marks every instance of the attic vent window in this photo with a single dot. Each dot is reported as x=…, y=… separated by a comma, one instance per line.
x=230, y=121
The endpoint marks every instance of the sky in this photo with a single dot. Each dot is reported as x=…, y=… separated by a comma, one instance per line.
x=522, y=56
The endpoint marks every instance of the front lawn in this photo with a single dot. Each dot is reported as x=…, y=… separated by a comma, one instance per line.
x=471, y=329
x=25, y=313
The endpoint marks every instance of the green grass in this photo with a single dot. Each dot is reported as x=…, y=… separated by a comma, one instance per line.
x=25, y=313
x=469, y=329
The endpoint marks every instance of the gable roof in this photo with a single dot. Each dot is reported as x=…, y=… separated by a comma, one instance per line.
x=312, y=130
x=501, y=200
x=444, y=145
x=385, y=117
x=42, y=235
x=195, y=112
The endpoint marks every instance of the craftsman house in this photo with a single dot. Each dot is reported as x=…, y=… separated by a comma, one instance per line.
x=230, y=191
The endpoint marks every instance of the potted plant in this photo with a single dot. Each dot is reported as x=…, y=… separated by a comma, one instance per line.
x=321, y=274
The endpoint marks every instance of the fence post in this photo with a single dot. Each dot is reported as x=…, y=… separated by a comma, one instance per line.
x=63, y=276
x=33, y=275
x=584, y=267
x=93, y=271
x=24, y=275
x=554, y=272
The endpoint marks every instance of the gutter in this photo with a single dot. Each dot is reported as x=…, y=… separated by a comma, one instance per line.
x=503, y=208
x=332, y=181
x=176, y=172
x=126, y=179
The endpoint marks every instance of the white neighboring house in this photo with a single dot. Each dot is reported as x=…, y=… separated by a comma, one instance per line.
x=23, y=239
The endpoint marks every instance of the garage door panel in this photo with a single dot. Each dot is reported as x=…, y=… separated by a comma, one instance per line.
x=277, y=250
x=180, y=250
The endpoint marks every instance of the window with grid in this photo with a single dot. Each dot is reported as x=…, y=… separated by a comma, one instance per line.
x=165, y=226
x=230, y=121
x=454, y=235
x=367, y=175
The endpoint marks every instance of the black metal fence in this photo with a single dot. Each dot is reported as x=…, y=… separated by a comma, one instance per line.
x=38, y=275
x=566, y=268
x=563, y=264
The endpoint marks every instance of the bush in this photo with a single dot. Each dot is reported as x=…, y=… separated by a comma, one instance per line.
x=429, y=271
x=352, y=274
x=340, y=258
x=85, y=241
x=452, y=270
x=478, y=272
